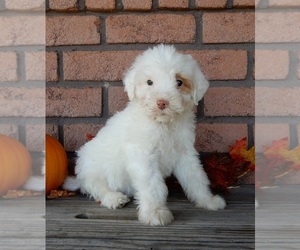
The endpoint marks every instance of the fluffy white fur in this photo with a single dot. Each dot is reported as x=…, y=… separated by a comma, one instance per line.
x=146, y=142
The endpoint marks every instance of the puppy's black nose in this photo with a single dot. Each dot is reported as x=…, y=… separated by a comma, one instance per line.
x=162, y=104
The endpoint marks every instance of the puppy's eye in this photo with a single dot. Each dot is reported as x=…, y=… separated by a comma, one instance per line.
x=149, y=82
x=179, y=82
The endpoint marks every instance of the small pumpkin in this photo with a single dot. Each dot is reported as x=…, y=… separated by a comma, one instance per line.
x=56, y=164
x=15, y=164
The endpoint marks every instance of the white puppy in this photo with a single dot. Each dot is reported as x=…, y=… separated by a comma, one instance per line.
x=149, y=140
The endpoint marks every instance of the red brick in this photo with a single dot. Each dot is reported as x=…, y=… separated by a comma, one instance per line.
x=111, y=65
x=27, y=30
x=8, y=67
x=69, y=30
x=70, y=102
x=137, y=4
x=222, y=64
x=97, y=65
x=100, y=5
x=35, y=137
x=25, y=5
x=265, y=134
x=175, y=4
x=277, y=101
x=117, y=99
x=22, y=102
x=51, y=66
x=10, y=130
x=277, y=27
x=63, y=5
x=284, y=3
x=244, y=3
x=75, y=135
x=210, y=4
x=228, y=27
x=52, y=129
x=271, y=64
x=218, y=137
x=228, y=101
x=150, y=28
x=35, y=65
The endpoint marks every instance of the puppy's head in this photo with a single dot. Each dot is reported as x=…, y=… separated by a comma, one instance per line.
x=164, y=82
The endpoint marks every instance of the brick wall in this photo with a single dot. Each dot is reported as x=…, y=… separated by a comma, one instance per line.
x=91, y=43
x=22, y=74
x=277, y=91
x=277, y=73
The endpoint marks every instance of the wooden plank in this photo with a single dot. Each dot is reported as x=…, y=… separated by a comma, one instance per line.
x=193, y=228
x=277, y=220
x=22, y=223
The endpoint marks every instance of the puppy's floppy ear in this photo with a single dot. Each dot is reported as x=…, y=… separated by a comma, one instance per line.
x=200, y=84
x=128, y=81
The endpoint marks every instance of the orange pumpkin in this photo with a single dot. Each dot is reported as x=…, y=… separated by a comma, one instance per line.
x=56, y=164
x=15, y=164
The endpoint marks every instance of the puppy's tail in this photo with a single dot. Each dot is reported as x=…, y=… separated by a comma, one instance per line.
x=71, y=184
x=35, y=183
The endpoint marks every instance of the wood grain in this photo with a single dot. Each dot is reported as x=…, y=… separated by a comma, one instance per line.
x=277, y=220
x=22, y=223
x=193, y=228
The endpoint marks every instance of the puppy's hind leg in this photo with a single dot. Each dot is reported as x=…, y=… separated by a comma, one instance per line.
x=98, y=188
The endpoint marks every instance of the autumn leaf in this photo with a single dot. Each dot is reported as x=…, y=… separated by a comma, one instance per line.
x=277, y=149
x=293, y=156
x=279, y=152
x=279, y=161
x=216, y=167
x=236, y=151
x=249, y=155
x=239, y=153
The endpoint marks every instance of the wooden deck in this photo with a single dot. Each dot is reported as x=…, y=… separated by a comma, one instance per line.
x=277, y=220
x=277, y=224
x=22, y=223
x=232, y=228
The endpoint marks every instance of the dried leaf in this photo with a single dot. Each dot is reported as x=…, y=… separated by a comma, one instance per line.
x=216, y=167
x=13, y=194
x=54, y=194
x=240, y=153
x=278, y=162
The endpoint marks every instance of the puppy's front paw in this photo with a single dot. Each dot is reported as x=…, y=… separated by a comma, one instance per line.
x=216, y=202
x=157, y=217
x=114, y=200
